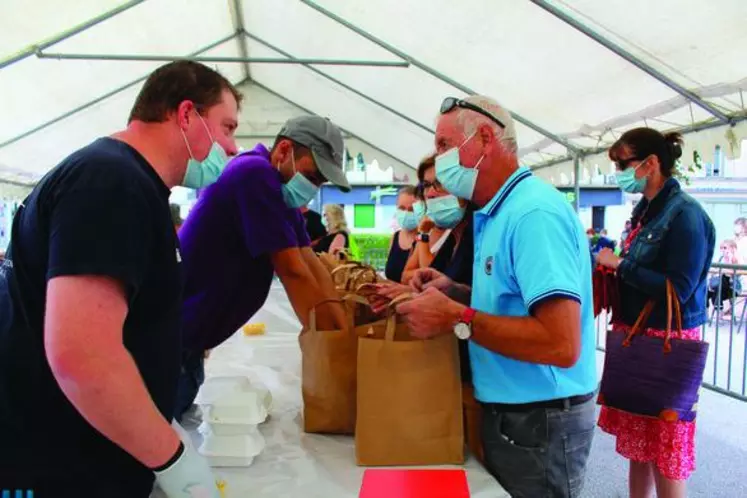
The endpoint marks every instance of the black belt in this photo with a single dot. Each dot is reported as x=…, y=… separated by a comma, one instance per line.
x=560, y=404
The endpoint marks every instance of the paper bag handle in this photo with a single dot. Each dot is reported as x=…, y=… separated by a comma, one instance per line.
x=391, y=319
x=312, y=313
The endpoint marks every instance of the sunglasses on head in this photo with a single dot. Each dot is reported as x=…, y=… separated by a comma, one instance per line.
x=450, y=103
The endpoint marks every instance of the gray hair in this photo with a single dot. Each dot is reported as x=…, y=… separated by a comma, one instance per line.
x=469, y=121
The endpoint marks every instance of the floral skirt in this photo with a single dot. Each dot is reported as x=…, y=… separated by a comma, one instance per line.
x=670, y=446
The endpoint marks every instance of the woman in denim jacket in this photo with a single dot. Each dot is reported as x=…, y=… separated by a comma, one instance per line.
x=672, y=238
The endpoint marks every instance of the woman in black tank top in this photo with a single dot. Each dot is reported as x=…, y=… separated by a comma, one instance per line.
x=403, y=240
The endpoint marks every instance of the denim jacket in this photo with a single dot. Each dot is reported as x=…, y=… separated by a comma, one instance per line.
x=676, y=242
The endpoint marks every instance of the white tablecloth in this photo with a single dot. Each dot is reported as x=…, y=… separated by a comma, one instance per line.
x=293, y=463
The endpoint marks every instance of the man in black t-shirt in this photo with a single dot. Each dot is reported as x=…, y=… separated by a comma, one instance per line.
x=90, y=303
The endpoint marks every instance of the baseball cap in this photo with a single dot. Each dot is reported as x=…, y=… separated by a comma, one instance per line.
x=324, y=140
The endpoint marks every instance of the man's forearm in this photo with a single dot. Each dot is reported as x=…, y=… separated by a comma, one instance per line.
x=110, y=394
x=330, y=316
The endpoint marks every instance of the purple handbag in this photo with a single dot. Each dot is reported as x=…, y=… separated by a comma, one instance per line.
x=651, y=376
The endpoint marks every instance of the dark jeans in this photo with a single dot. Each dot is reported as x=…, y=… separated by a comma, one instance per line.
x=540, y=453
x=190, y=379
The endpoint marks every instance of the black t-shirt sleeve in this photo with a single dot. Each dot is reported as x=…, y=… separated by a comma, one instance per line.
x=103, y=232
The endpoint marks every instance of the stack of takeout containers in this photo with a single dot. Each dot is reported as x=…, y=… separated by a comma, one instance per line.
x=232, y=409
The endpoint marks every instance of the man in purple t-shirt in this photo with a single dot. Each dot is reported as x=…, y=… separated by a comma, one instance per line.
x=246, y=227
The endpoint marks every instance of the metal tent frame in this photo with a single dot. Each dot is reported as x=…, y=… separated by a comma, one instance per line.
x=575, y=152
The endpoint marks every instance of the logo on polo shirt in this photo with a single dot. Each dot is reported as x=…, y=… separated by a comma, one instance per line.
x=489, y=265
x=178, y=256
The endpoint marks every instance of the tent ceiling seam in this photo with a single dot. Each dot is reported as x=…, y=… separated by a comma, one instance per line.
x=347, y=87
x=624, y=54
x=33, y=49
x=433, y=72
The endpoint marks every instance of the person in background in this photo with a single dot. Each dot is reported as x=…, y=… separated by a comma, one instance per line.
x=661, y=453
x=603, y=241
x=450, y=220
x=314, y=226
x=245, y=228
x=403, y=240
x=338, y=236
x=722, y=286
x=90, y=332
x=624, y=235
x=528, y=315
x=430, y=237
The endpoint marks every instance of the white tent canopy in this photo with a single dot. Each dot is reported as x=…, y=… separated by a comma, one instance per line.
x=672, y=64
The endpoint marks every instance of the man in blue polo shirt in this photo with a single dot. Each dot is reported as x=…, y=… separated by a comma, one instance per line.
x=528, y=316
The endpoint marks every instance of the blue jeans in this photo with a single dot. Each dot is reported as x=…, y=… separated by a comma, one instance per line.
x=541, y=452
x=191, y=378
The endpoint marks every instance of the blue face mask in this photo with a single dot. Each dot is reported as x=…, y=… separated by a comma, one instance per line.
x=445, y=211
x=455, y=178
x=627, y=181
x=206, y=172
x=407, y=220
x=299, y=190
x=418, y=207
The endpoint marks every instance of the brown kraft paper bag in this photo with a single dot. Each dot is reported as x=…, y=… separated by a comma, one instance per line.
x=409, y=398
x=328, y=378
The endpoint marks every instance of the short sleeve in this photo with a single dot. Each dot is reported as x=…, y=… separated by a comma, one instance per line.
x=547, y=257
x=103, y=232
x=302, y=233
x=267, y=224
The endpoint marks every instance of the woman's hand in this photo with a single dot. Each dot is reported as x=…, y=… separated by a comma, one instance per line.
x=608, y=258
x=385, y=293
x=426, y=225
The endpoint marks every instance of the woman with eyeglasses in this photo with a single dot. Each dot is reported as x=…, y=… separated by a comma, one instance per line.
x=672, y=239
x=403, y=240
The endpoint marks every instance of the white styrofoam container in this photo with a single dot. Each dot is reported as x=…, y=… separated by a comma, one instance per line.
x=234, y=400
x=210, y=426
x=232, y=451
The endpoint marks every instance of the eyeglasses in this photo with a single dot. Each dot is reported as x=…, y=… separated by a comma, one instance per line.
x=623, y=164
x=450, y=103
x=435, y=184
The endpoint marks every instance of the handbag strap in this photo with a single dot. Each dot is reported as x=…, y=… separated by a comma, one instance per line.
x=674, y=311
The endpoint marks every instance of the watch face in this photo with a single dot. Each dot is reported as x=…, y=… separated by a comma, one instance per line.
x=462, y=331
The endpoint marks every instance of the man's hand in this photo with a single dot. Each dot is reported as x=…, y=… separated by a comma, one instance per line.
x=189, y=476
x=426, y=225
x=430, y=314
x=608, y=258
x=426, y=278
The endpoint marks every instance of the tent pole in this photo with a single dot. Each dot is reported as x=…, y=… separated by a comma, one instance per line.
x=734, y=119
x=577, y=182
x=344, y=85
x=203, y=59
x=31, y=50
x=621, y=52
x=238, y=22
x=101, y=98
x=433, y=72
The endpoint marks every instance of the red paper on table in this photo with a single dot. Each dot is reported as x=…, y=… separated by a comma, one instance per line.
x=391, y=483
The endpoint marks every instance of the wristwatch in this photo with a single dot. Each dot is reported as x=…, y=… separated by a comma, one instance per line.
x=463, y=328
x=424, y=237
